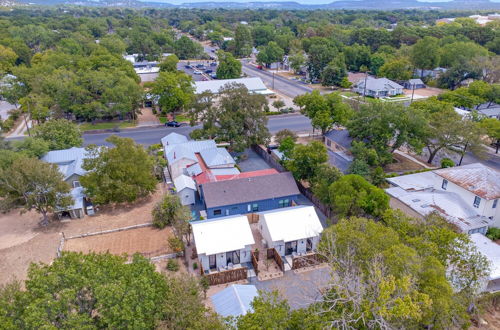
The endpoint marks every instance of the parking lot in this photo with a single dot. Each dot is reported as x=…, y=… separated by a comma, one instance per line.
x=200, y=70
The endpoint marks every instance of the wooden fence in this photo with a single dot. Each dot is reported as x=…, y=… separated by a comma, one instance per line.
x=253, y=217
x=271, y=161
x=272, y=253
x=307, y=261
x=226, y=276
x=255, y=261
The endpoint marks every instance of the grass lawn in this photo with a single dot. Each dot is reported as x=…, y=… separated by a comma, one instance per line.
x=178, y=118
x=108, y=125
x=349, y=94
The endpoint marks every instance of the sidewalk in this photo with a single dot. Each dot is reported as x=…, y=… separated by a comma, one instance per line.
x=425, y=165
x=147, y=118
x=20, y=130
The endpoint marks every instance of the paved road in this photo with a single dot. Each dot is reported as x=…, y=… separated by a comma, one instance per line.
x=285, y=86
x=152, y=135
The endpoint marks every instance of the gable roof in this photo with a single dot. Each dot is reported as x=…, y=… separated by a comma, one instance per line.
x=187, y=150
x=208, y=234
x=69, y=161
x=490, y=250
x=217, y=157
x=234, y=300
x=378, y=84
x=173, y=138
x=252, y=84
x=415, y=81
x=292, y=223
x=247, y=190
x=183, y=181
x=340, y=136
x=476, y=178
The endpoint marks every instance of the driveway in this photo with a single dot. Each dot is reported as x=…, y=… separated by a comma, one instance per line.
x=253, y=163
x=300, y=290
x=339, y=160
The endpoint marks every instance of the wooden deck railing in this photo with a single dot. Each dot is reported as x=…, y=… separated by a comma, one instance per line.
x=225, y=276
x=272, y=253
x=255, y=261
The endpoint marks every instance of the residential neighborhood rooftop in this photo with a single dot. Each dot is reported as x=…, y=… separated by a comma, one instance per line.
x=490, y=250
x=187, y=150
x=476, y=178
x=222, y=234
x=217, y=157
x=69, y=161
x=255, y=85
x=173, y=138
x=378, y=84
x=292, y=223
x=183, y=182
x=235, y=300
x=341, y=137
x=249, y=189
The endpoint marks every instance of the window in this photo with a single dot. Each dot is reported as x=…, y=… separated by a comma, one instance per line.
x=444, y=184
x=328, y=143
x=495, y=202
x=284, y=203
x=477, y=201
x=212, y=262
x=255, y=207
x=218, y=212
x=249, y=207
x=76, y=184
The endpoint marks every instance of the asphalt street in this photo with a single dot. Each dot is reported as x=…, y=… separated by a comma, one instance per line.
x=285, y=86
x=147, y=136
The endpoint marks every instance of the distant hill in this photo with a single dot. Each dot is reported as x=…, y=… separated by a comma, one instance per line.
x=290, y=5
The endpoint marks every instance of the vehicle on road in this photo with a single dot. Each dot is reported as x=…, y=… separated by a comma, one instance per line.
x=172, y=124
x=208, y=71
x=197, y=72
x=213, y=75
x=213, y=64
x=200, y=66
x=188, y=66
x=259, y=67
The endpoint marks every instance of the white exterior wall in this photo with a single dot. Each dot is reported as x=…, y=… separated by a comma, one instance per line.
x=177, y=168
x=187, y=196
x=221, y=259
x=485, y=207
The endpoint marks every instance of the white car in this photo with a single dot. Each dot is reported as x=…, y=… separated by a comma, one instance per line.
x=197, y=72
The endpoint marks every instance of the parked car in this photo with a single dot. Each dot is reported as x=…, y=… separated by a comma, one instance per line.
x=213, y=64
x=172, y=124
x=259, y=67
x=197, y=72
x=200, y=66
x=213, y=75
x=188, y=66
x=208, y=71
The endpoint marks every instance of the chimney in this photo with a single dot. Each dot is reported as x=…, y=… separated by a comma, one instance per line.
x=174, y=154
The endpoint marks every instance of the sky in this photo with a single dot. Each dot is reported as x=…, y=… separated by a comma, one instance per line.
x=311, y=2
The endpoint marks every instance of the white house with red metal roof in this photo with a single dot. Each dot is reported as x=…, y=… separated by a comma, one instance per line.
x=465, y=195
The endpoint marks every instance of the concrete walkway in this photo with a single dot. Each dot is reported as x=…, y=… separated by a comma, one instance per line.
x=147, y=118
x=425, y=165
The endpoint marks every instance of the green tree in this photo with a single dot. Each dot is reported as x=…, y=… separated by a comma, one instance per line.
x=169, y=64
x=492, y=128
x=425, y=53
x=319, y=55
x=168, y=211
x=399, y=69
x=59, y=133
x=120, y=174
x=305, y=160
x=286, y=146
x=297, y=61
x=284, y=133
x=352, y=195
x=376, y=62
x=242, y=41
x=453, y=53
x=325, y=175
x=334, y=73
x=114, y=44
x=269, y=54
x=7, y=59
x=229, y=67
x=356, y=56
x=31, y=184
x=239, y=118
x=186, y=48
x=175, y=91
x=31, y=147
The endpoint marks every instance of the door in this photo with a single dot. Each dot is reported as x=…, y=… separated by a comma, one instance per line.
x=290, y=247
x=212, y=261
x=309, y=245
x=233, y=257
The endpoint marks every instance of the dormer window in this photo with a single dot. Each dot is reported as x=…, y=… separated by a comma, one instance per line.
x=444, y=184
x=477, y=201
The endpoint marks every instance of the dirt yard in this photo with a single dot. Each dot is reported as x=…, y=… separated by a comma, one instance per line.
x=148, y=241
x=402, y=164
x=423, y=93
x=23, y=241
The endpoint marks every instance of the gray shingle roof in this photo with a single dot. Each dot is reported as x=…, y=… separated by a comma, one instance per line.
x=341, y=137
x=247, y=190
x=378, y=84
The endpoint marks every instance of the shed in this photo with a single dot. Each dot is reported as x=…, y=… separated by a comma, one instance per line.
x=414, y=83
x=234, y=300
x=186, y=189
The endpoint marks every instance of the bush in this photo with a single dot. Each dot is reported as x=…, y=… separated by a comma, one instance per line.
x=446, y=162
x=176, y=244
x=172, y=265
x=195, y=265
x=493, y=233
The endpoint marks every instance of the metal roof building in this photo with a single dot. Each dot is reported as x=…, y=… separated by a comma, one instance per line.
x=254, y=85
x=69, y=161
x=234, y=300
x=217, y=157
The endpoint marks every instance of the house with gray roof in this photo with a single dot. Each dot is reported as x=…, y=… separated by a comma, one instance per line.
x=338, y=143
x=377, y=87
x=249, y=195
x=70, y=162
x=490, y=110
x=415, y=83
x=217, y=158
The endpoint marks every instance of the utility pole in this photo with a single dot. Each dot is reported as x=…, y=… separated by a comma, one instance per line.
x=364, y=89
x=412, y=93
x=273, y=80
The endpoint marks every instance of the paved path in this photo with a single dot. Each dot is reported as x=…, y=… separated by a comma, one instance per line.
x=147, y=118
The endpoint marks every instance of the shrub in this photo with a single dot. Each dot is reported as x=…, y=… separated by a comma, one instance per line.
x=176, y=244
x=446, y=162
x=493, y=233
x=195, y=265
x=172, y=265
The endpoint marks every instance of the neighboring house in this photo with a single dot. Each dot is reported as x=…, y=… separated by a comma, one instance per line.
x=223, y=243
x=435, y=73
x=467, y=196
x=254, y=85
x=186, y=189
x=338, y=142
x=235, y=300
x=292, y=231
x=69, y=162
x=217, y=158
x=249, y=195
x=377, y=87
x=491, y=251
x=490, y=110
x=414, y=84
